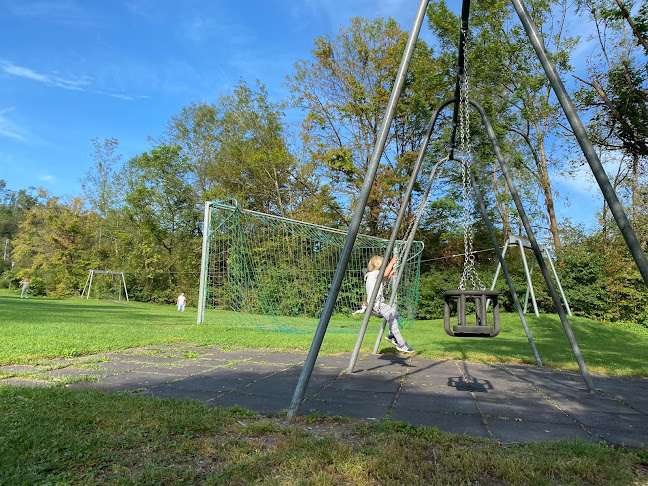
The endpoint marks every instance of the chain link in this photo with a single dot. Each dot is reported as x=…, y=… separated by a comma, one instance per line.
x=469, y=271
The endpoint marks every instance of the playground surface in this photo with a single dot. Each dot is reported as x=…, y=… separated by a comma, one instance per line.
x=507, y=403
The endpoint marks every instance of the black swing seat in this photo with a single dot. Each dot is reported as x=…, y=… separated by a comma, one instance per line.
x=481, y=327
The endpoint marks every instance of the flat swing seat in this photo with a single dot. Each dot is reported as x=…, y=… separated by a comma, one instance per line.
x=481, y=327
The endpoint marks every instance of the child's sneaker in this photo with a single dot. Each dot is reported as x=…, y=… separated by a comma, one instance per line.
x=404, y=348
x=391, y=339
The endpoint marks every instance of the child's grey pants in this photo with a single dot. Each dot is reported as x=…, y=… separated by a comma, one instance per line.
x=389, y=313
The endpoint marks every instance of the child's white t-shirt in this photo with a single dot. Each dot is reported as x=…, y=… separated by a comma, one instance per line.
x=181, y=299
x=370, y=282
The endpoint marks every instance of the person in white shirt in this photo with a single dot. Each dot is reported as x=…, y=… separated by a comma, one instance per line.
x=380, y=308
x=180, y=302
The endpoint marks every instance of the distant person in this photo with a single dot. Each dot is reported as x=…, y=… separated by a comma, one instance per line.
x=180, y=302
x=25, y=288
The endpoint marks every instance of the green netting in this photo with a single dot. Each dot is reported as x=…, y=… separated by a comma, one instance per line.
x=273, y=272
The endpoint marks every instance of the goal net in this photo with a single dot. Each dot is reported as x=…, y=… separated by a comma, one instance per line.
x=271, y=272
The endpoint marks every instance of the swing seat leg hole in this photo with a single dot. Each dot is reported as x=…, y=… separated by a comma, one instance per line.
x=479, y=299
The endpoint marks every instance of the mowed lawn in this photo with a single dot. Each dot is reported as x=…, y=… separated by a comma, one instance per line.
x=55, y=435
x=40, y=328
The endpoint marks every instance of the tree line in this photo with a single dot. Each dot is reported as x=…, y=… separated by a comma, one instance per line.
x=305, y=157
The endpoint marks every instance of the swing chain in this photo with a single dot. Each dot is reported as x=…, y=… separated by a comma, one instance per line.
x=469, y=271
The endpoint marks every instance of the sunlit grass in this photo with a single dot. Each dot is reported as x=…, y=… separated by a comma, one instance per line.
x=98, y=438
x=41, y=328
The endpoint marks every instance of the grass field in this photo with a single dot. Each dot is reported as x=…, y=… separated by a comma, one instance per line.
x=59, y=436
x=40, y=328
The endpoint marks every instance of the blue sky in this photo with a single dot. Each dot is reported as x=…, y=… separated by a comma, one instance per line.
x=72, y=70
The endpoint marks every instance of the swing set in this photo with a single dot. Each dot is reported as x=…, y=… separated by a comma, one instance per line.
x=478, y=295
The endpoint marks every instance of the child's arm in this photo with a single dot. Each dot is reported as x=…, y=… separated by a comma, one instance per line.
x=389, y=271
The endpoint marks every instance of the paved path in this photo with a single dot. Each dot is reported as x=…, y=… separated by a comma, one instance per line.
x=503, y=402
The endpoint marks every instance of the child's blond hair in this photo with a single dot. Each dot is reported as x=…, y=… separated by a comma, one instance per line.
x=374, y=263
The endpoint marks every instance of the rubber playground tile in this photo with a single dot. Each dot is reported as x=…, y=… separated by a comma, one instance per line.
x=27, y=382
x=588, y=402
x=623, y=438
x=73, y=372
x=12, y=369
x=263, y=404
x=534, y=412
x=255, y=366
x=224, y=375
x=455, y=423
x=182, y=369
x=124, y=382
x=168, y=391
x=371, y=382
x=363, y=406
x=268, y=388
x=436, y=402
x=116, y=367
x=208, y=384
x=339, y=361
x=627, y=421
x=283, y=358
x=382, y=363
x=243, y=354
x=149, y=359
x=511, y=430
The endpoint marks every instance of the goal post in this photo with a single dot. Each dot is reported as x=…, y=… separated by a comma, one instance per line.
x=91, y=274
x=260, y=264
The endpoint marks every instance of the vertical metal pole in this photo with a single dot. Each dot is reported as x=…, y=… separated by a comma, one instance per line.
x=204, y=265
x=586, y=145
x=502, y=265
x=357, y=215
x=534, y=245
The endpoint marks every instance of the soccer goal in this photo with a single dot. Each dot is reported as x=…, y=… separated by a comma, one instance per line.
x=120, y=279
x=264, y=270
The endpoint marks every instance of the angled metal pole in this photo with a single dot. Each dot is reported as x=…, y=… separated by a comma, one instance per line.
x=125, y=289
x=410, y=239
x=550, y=260
x=502, y=264
x=586, y=145
x=528, y=277
x=534, y=245
x=399, y=219
x=408, y=194
x=354, y=227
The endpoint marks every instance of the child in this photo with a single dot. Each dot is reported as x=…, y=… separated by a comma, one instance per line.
x=180, y=302
x=380, y=308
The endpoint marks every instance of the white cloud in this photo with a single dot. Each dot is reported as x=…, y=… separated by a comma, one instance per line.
x=8, y=128
x=50, y=79
x=60, y=12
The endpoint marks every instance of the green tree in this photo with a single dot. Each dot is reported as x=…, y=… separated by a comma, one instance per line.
x=237, y=148
x=160, y=237
x=344, y=88
x=52, y=245
x=615, y=89
x=505, y=76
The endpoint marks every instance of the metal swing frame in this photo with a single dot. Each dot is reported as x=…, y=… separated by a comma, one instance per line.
x=581, y=135
x=88, y=284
